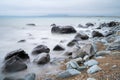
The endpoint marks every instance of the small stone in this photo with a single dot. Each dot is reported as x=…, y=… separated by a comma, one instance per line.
x=114, y=66
x=91, y=62
x=91, y=79
x=86, y=57
x=30, y=76
x=58, y=48
x=93, y=69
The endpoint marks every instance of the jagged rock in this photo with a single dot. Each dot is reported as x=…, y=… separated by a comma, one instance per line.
x=63, y=29
x=112, y=24
x=68, y=73
x=93, y=69
x=81, y=36
x=42, y=58
x=97, y=34
x=91, y=62
x=14, y=64
x=18, y=53
x=72, y=43
x=40, y=49
x=58, y=48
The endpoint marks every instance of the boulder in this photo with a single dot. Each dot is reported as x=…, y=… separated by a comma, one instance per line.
x=14, y=64
x=89, y=24
x=88, y=49
x=40, y=49
x=93, y=69
x=81, y=36
x=18, y=53
x=91, y=62
x=97, y=34
x=58, y=48
x=112, y=24
x=68, y=73
x=63, y=29
x=72, y=43
x=42, y=58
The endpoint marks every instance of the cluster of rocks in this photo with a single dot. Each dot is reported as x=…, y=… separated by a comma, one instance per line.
x=84, y=51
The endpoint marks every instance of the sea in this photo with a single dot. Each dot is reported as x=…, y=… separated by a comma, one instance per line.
x=14, y=29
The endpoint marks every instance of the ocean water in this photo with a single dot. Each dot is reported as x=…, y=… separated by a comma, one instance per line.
x=13, y=29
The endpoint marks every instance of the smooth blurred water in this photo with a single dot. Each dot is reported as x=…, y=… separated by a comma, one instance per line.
x=13, y=29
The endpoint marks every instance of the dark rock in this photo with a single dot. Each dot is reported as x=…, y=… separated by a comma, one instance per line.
x=18, y=53
x=58, y=48
x=14, y=64
x=62, y=29
x=31, y=24
x=89, y=24
x=23, y=40
x=81, y=26
x=30, y=76
x=40, y=49
x=81, y=36
x=72, y=43
x=42, y=58
x=112, y=24
x=97, y=34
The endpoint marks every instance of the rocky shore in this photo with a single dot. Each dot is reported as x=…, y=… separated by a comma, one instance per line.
x=91, y=55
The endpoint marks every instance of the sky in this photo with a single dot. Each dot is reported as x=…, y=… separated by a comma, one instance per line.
x=68, y=7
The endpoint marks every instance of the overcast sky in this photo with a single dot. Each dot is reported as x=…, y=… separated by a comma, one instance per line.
x=70, y=7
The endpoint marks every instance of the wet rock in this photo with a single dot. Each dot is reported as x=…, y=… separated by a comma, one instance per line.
x=89, y=24
x=112, y=24
x=102, y=53
x=30, y=76
x=93, y=69
x=91, y=62
x=14, y=64
x=31, y=24
x=58, y=48
x=63, y=29
x=114, y=46
x=81, y=26
x=18, y=53
x=81, y=36
x=97, y=34
x=42, y=58
x=91, y=79
x=40, y=49
x=88, y=49
x=68, y=53
x=72, y=43
x=68, y=73
x=20, y=41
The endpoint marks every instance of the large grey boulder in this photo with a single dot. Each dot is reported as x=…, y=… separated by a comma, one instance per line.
x=42, y=58
x=93, y=69
x=68, y=73
x=14, y=64
x=91, y=62
x=40, y=49
x=63, y=29
x=18, y=53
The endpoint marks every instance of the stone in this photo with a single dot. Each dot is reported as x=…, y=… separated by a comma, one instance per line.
x=91, y=79
x=81, y=26
x=81, y=36
x=86, y=57
x=58, y=48
x=102, y=53
x=63, y=29
x=14, y=64
x=68, y=73
x=30, y=76
x=91, y=62
x=42, y=58
x=93, y=69
x=31, y=24
x=112, y=24
x=72, y=43
x=18, y=53
x=20, y=41
x=97, y=34
x=40, y=49
x=115, y=46
x=11, y=78
x=89, y=24
x=78, y=60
